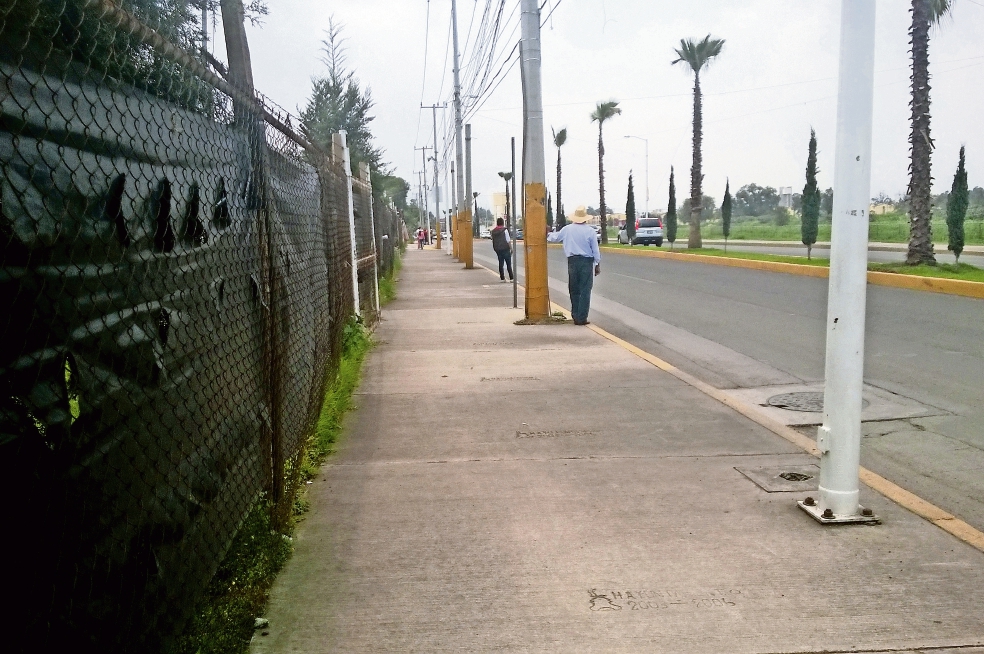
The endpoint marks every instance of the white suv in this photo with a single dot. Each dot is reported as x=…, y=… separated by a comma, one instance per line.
x=648, y=230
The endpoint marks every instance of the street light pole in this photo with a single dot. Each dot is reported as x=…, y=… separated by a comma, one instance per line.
x=646, y=141
x=512, y=222
x=839, y=438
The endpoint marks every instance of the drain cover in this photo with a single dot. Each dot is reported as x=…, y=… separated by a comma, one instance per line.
x=806, y=401
x=784, y=479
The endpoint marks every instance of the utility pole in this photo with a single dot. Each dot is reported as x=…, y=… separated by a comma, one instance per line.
x=534, y=175
x=437, y=183
x=839, y=438
x=423, y=158
x=453, y=217
x=462, y=237
x=646, y=141
x=468, y=242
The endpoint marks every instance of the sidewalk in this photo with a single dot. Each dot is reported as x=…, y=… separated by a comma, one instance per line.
x=530, y=489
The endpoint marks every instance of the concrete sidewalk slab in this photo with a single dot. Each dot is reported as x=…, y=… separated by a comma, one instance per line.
x=581, y=500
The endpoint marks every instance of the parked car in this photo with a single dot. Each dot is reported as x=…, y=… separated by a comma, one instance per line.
x=648, y=230
x=597, y=229
x=484, y=232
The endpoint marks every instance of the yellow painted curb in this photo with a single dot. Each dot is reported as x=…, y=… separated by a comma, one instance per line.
x=933, y=284
x=906, y=499
x=893, y=280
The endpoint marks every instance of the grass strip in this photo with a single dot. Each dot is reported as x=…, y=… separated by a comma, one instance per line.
x=961, y=271
x=387, y=283
x=224, y=620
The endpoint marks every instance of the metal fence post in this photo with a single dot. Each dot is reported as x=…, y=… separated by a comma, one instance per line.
x=366, y=175
x=347, y=162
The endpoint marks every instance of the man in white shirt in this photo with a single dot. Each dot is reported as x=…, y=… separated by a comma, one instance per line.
x=581, y=248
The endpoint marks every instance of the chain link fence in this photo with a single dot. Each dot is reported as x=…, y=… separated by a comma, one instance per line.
x=177, y=273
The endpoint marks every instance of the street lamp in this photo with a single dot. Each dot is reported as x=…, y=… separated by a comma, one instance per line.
x=646, y=141
x=475, y=220
x=507, y=176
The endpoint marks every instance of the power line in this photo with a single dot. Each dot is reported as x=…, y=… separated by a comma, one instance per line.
x=423, y=83
x=556, y=4
x=750, y=89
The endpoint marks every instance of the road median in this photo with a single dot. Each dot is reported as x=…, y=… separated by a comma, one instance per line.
x=894, y=280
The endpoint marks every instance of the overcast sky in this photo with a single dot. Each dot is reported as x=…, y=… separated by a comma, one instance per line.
x=775, y=79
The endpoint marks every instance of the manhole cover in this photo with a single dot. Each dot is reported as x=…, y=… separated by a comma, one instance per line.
x=795, y=476
x=807, y=401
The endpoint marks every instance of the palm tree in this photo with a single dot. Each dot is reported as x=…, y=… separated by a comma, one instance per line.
x=697, y=55
x=603, y=112
x=925, y=14
x=559, y=138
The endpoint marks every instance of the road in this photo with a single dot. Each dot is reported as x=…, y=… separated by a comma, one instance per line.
x=744, y=329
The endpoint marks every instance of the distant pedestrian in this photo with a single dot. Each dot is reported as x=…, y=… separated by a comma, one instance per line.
x=581, y=248
x=502, y=247
x=420, y=238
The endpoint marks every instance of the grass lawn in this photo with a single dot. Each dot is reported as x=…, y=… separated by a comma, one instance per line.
x=961, y=271
x=946, y=270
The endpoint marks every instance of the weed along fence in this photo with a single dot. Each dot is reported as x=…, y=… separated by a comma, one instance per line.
x=178, y=268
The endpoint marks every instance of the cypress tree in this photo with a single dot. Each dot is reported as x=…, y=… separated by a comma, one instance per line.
x=671, y=216
x=956, y=209
x=726, y=213
x=550, y=216
x=811, y=199
x=630, y=212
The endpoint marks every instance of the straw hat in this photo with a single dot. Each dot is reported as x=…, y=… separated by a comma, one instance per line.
x=580, y=216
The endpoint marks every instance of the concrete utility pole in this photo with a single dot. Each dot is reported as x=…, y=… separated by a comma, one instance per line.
x=839, y=439
x=462, y=237
x=469, y=242
x=534, y=182
x=646, y=141
x=453, y=216
x=437, y=182
x=423, y=158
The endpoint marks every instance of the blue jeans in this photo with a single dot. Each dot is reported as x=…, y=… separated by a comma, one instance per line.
x=505, y=256
x=580, y=279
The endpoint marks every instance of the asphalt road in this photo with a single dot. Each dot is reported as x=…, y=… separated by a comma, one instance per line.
x=738, y=328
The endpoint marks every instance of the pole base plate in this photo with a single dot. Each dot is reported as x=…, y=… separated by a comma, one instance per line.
x=813, y=510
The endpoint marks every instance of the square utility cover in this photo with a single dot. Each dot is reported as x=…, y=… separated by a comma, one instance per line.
x=784, y=479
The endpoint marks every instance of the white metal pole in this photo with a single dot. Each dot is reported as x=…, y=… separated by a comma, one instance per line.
x=347, y=161
x=839, y=439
